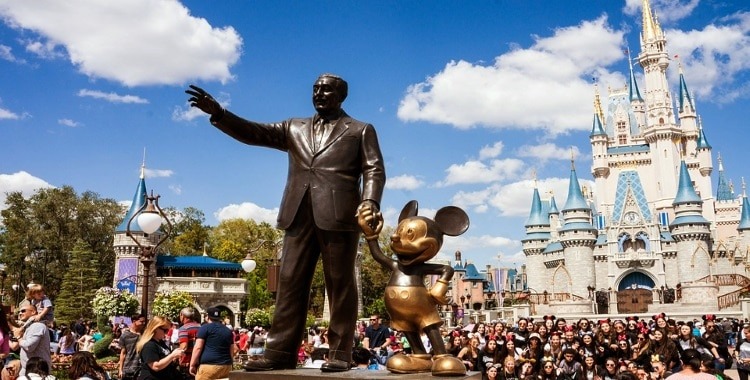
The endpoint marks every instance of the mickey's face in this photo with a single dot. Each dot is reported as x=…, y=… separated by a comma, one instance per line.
x=415, y=241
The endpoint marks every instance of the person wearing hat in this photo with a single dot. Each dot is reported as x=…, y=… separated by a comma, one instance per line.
x=214, y=349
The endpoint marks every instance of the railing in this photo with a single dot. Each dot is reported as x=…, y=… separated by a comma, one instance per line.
x=727, y=280
x=732, y=298
x=540, y=298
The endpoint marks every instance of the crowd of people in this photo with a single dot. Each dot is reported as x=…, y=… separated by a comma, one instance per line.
x=556, y=349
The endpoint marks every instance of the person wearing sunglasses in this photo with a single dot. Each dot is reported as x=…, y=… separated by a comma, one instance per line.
x=33, y=340
x=157, y=362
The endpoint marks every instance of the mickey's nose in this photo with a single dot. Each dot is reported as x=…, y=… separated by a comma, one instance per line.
x=395, y=238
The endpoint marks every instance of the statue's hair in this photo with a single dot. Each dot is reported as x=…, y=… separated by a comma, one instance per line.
x=341, y=85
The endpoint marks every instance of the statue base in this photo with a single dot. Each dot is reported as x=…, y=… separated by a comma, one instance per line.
x=316, y=374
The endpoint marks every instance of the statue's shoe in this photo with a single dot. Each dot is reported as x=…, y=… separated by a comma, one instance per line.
x=401, y=363
x=264, y=364
x=447, y=365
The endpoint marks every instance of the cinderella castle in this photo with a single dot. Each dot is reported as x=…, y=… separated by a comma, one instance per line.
x=656, y=237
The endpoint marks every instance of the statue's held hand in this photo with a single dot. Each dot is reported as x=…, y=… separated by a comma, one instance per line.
x=370, y=220
x=204, y=101
x=439, y=291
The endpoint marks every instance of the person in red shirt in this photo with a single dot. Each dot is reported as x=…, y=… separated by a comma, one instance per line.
x=187, y=335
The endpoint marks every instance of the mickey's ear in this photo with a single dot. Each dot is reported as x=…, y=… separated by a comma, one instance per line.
x=409, y=210
x=452, y=220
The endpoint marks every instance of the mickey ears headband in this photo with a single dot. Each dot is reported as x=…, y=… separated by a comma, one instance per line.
x=603, y=321
x=549, y=317
x=656, y=358
x=633, y=318
x=660, y=315
x=709, y=317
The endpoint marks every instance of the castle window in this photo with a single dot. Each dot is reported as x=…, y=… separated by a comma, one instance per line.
x=621, y=126
x=622, y=139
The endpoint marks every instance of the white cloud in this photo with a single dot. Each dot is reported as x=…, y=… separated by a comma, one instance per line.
x=539, y=87
x=157, y=173
x=68, y=123
x=491, y=151
x=713, y=57
x=403, y=182
x=480, y=172
x=6, y=53
x=6, y=114
x=548, y=151
x=666, y=10
x=514, y=199
x=467, y=244
x=247, y=210
x=176, y=189
x=21, y=181
x=112, y=97
x=136, y=42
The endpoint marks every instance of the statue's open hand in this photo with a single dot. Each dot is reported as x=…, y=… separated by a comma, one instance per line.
x=370, y=220
x=204, y=101
x=439, y=291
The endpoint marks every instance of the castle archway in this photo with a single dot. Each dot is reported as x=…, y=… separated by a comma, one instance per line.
x=634, y=292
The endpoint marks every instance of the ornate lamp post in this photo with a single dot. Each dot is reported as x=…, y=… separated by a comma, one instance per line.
x=149, y=218
x=249, y=264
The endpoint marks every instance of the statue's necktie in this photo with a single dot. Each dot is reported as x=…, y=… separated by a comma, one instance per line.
x=319, y=132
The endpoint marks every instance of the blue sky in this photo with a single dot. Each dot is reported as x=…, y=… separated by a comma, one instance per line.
x=469, y=98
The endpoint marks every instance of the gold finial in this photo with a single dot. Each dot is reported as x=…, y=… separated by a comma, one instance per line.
x=533, y=176
x=731, y=187
x=721, y=164
x=598, y=102
x=651, y=27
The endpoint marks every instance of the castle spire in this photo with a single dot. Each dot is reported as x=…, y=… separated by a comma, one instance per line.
x=686, y=100
x=575, y=200
x=702, y=141
x=597, y=129
x=685, y=191
x=723, y=191
x=651, y=28
x=139, y=199
x=635, y=95
x=745, y=218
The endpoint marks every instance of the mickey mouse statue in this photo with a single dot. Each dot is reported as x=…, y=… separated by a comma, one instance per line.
x=412, y=307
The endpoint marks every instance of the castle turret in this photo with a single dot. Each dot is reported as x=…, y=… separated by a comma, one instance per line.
x=636, y=101
x=537, y=237
x=578, y=237
x=690, y=229
x=598, y=139
x=127, y=267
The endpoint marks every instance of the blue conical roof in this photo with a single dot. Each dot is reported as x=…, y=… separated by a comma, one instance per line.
x=536, y=216
x=553, y=206
x=685, y=191
x=597, y=129
x=723, y=191
x=745, y=219
x=575, y=200
x=635, y=95
x=685, y=97
x=139, y=199
x=702, y=142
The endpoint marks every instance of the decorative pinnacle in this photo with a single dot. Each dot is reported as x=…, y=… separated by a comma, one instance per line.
x=143, y=165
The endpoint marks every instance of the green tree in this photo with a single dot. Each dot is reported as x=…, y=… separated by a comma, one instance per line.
x=41, y=231
x=74, y=300
x=374, y=276
x=189, y=233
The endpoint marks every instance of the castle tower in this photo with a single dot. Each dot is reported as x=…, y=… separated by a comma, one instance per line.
x=578, y=237
x=691, y=230
x=537, y=237
x=554, y=217
x=744, y=227
x=128, y=271
x=598, y=139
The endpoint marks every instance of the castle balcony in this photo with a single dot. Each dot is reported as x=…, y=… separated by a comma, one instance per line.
x=635, y=259
x=204, y=285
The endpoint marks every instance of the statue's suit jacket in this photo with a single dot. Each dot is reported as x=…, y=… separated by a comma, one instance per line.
x=331, y=174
